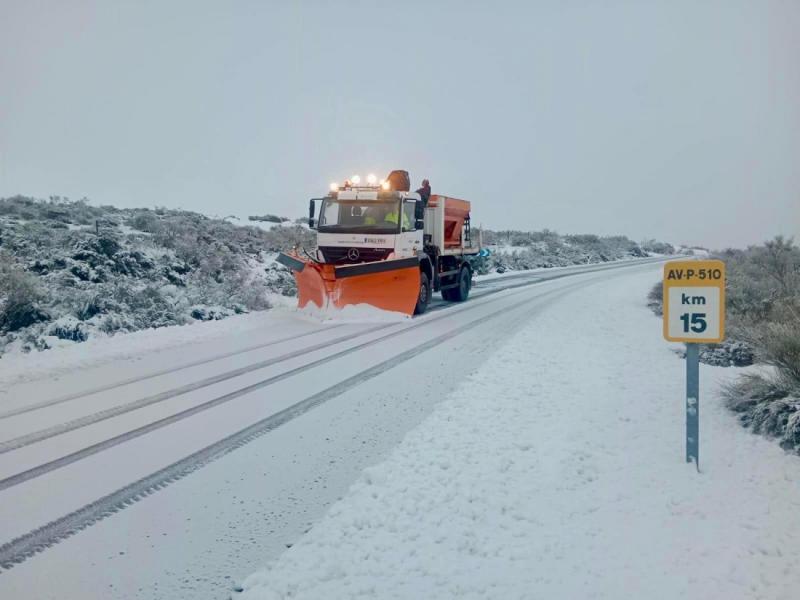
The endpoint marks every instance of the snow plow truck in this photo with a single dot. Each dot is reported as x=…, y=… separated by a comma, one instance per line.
x=383, y=245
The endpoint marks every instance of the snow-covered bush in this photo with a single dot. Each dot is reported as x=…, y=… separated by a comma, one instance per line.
x=767, y=405
x=20, y=297
x=655, y=299
x=268, y=218
x=656, y=247
x=729, y=353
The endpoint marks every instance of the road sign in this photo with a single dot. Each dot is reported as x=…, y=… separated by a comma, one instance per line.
x=694, y=312
x=694, y=301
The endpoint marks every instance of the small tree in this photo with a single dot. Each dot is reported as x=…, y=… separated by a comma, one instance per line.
x=780, y=259
x=20, y=297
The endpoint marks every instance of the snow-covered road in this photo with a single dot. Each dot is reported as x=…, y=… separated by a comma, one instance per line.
x=557, y=471
x=282, y=416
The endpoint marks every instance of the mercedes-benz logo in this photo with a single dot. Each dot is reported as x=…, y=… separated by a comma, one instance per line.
x=353, y=254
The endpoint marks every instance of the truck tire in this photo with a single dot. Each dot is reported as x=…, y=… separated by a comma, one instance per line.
x=424, y=294
x=461, y=293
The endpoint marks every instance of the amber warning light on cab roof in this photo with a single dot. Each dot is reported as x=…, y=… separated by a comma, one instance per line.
x=355, y=182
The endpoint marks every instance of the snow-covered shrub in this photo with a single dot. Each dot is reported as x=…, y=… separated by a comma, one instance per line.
x=211, y=313
x=790, y=440
x=729, y=353
x=20, y=297
x=778, y=344
x=656, y=247
x=768, y=406
x=285, y=238
x=153, y=308
x=280, y=279
x=69, y=328
x=268, y=218
x=655, y=299
x=144, y=221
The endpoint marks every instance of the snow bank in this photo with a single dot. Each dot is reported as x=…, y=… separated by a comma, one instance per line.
x=557, y=471
x=516, y=273
x=354, y=313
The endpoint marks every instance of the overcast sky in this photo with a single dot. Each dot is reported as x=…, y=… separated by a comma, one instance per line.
x=674, y=120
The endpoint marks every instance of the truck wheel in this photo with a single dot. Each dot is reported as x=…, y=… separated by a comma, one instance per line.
x=424, y=294
x=461, y=293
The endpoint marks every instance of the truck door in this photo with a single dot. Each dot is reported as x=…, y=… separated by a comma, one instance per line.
x=409, y=242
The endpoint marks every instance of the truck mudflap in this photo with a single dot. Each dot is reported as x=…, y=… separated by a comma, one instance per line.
x=392, y=285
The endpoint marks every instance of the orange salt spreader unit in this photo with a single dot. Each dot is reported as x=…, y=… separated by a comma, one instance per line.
x=384, y=247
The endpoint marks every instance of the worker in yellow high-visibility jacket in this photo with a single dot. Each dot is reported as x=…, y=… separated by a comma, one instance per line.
x=390, y=217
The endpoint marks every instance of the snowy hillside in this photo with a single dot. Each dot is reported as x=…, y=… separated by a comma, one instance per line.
x=71, y=270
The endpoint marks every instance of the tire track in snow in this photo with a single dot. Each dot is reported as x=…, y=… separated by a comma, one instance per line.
x=38, y=540
x=115, y=411
x=105, y=388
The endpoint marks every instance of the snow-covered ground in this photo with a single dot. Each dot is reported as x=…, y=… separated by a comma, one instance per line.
x=156, y=466
x=557, y=471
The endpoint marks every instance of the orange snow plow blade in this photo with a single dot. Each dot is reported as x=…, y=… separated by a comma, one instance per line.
x=391, y=285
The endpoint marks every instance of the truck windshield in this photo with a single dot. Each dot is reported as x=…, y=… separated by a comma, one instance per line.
x=373, y=216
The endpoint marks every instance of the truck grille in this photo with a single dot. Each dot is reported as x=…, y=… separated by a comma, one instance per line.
x=339, y=255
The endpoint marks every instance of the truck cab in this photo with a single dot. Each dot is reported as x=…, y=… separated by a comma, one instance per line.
x=365, y=225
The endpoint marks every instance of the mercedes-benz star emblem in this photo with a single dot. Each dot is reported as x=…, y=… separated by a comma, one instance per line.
x=353, y=254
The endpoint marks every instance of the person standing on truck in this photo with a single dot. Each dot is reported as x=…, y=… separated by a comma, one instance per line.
x=425, y=191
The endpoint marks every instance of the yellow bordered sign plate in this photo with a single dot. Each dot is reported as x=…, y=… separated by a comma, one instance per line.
x=694, y=301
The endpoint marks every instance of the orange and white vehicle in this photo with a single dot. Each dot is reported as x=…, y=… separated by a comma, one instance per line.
x=386, y=248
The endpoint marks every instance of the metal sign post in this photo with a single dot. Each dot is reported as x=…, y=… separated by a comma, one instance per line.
x=694, y=312
x=693, y=404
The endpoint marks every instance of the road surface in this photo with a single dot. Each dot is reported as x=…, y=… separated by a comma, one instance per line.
x=557, y=470
x=176, y=474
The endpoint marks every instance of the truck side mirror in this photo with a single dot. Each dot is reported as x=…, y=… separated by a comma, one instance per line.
x=311, y=211
x=419, y=211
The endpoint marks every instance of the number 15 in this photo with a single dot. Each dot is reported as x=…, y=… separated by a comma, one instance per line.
x=697, y=324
